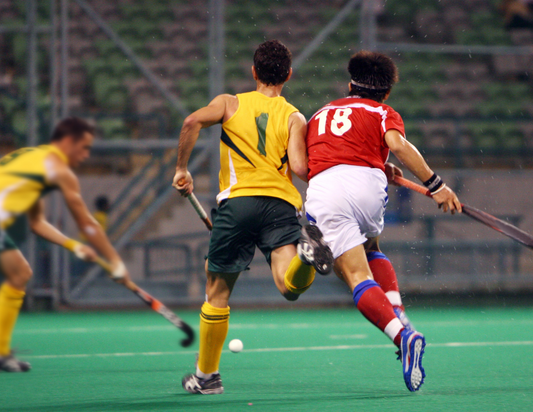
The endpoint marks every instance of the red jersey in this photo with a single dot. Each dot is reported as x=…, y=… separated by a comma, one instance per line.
x=350, y=131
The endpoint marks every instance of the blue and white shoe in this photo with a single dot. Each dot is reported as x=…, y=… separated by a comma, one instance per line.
x=400, y=314
x=412, y=350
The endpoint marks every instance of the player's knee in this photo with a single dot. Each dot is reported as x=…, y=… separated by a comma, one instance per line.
x=25, y=273
x=21, y=276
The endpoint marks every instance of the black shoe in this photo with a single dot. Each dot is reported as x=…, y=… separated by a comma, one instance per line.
x=193, y=384
x=11, y=364
x=313, y=250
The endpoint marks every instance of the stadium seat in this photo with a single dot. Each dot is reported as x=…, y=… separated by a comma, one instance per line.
x=414, y=134
x=112, y=128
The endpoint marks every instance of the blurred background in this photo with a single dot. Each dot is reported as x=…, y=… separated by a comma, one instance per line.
x=136, y=68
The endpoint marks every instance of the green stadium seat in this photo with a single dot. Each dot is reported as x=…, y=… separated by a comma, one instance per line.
x=496, y=37
x=486, y=20
x=148, y=30
x=513, y=137
x=414, y=134
x=8, y=104
x=469, y=37
x=98, y=67
x=234, y=69
x=110, y=93
x=113, y=128
x=492, y=109
x=160, y=13
x=133, y=11
x=123, y=68
x=19, y=121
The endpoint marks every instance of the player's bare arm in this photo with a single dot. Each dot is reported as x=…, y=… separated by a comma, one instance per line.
x=297, y=150
x=41, y=227
x=219, y=110
x=69, y=185
x=411, y=158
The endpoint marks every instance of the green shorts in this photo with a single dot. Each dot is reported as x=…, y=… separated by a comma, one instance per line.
x=6, y=243
x=242, y=223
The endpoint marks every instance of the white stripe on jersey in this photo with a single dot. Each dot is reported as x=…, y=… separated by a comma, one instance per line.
x=232, y=180
x=379, y=110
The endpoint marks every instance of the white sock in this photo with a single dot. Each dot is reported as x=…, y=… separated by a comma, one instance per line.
x=394, y=298
x=393, y=328
x=204, y=376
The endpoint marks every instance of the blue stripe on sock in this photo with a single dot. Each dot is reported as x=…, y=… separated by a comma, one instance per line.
x=310, y=218
x=370, y=256
x=362, y=288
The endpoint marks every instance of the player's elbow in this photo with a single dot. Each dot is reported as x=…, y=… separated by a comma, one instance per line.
x=191, y=122
x=300, y=170
x=89, y=228
x=34, y=224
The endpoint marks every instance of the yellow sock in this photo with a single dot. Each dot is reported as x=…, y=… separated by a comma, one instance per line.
x=214, y=323
x=10, y=302
x=299, y=276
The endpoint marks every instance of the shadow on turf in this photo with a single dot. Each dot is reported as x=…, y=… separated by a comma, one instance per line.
x=171, y=402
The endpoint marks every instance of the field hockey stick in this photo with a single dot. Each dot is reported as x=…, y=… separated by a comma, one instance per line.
x=485, y=218
x=198, y=207
x=154, y=304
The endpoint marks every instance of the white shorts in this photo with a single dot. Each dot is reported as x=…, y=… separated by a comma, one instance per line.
x=348, y=205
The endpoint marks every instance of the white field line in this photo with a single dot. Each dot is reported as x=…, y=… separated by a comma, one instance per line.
x=293, y=349
x=251, y=326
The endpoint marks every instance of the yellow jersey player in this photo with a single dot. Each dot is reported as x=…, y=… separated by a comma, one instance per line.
x=25, y=176
x=263, y=139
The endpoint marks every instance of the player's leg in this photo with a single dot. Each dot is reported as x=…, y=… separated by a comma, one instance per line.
x=312, y=255
x=277, y=238
x=231, y=249
x=385, y=276
x=17, y=272
x=301, y=274
x=353, y=268
x=214, y=323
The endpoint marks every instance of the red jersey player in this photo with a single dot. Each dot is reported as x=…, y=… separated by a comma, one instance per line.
x=348, y=143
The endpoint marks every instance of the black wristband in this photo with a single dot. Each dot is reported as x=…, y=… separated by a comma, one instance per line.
x=434, y=183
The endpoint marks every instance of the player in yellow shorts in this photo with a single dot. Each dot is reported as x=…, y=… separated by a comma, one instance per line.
x=25, y=176
x=263, y=138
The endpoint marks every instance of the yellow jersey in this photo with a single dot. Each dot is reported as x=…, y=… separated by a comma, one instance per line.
x=253, y=150
x=24, y=178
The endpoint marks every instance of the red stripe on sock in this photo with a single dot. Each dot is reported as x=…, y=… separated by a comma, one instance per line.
x=384, y=275
x=375, y=306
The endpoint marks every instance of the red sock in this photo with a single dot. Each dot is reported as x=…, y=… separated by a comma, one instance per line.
x=376, y=307
x=385, y=276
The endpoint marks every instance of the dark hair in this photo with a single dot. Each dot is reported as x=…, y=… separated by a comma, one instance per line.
x=71, y=126
x=272, y=62
x=102, y=203
x=373, y=75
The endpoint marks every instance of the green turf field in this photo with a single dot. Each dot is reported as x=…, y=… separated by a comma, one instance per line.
x=302, y=360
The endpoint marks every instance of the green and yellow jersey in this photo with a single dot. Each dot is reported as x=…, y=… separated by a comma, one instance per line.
x=24, y=178
x=253, y=150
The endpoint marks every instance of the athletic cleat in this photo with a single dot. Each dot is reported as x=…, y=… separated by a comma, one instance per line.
x=11, y=364
x=400, y=314
x=193, y=384
x=412, y=350
x=313, y=250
